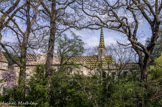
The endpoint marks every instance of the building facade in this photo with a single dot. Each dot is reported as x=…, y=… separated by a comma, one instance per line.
x=86, y=65
x=3, y=68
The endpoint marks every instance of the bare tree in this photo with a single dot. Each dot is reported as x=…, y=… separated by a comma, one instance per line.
x=21, y=26
x=123, y=57
x=125, y=16
x=7, y=11
x=58, y=14
x=91, y=51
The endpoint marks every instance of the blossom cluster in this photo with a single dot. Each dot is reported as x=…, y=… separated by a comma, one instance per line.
x=10, y=78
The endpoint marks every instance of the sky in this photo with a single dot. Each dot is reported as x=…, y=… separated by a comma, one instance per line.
x=92, y=37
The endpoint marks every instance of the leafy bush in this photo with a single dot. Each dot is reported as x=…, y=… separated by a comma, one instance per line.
x=64, y=90
x=37, y=87
x=155, y=83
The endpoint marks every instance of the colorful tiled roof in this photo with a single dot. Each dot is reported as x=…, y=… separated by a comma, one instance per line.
x=2, y=57
x=102, y=44
x=39, y=62
x=91, y=61
x=31, y=57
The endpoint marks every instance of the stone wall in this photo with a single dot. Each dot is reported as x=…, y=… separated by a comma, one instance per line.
x=3, y=68
x=29, y=71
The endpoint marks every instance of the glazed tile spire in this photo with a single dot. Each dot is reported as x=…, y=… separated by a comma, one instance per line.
x=102, y=43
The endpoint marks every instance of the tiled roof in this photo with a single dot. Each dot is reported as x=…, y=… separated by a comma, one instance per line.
x=91, y=61
x=102, y=44
x=2, y=57
x=31, y=57
x=55, y=61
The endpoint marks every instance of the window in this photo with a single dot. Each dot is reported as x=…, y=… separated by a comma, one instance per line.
x=27, y=89
x=2, y=89
x=113, y=73
x=26, y=76
x=70, y=70
x=125, y=72
x=2, y=66
x=57, y=69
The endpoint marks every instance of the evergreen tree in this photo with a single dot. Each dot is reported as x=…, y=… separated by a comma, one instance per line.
x=69, y=47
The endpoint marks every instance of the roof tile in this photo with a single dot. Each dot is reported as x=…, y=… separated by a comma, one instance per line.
x=2, y=57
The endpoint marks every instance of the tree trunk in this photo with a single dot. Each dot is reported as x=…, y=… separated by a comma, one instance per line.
x=22, y=73
x=145, y=67
x=51, y=39
x=51, y=49
x=23, y=52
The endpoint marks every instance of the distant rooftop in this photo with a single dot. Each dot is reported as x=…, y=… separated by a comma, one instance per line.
x=2, y=57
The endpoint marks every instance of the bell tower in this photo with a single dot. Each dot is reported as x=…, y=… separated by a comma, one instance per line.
x=101, y=48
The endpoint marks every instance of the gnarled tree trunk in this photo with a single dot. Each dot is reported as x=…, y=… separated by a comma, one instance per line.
x=50, y=52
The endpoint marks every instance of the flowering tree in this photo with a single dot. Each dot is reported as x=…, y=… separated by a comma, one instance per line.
x=10, y=78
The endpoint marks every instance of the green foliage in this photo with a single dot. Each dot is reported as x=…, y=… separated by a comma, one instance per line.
x=64, y=90
x=155, y=71
x=125, y=94
x=155, y=83
x=87, y=91
x=37, y=87
x=69, y=47
x=12, y=95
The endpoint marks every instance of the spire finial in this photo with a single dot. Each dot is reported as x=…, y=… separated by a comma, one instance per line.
x=101, y=44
